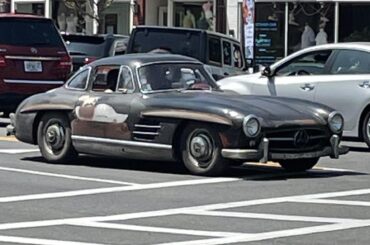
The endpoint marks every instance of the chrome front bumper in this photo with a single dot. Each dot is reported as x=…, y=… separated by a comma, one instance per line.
x=10, y=129
x=263, y=155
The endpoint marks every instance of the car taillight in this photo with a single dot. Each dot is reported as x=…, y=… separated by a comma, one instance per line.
x=89, y=60
x=2, y=61
x=65, y=61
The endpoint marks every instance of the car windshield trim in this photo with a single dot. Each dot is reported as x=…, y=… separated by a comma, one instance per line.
x=166, y=62
x=89, y=68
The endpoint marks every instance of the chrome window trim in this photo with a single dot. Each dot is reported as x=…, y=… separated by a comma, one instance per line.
x=122, y=142
x=132, y=79
x=162, y=62
x=89, y=68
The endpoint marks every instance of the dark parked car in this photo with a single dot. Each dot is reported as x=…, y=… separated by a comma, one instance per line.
x=33, y=58
x=168, y=107
x=222, y=55
x=85, y=49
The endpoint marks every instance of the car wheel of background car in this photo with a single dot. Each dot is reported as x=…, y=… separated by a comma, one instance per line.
x=298, y=165
x=366, y=129
x=54, y=138
x=201, y=150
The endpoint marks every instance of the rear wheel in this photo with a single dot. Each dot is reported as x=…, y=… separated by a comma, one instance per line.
x=298, y=165
x=54, y=138
x=201, y=150
x=366, y=129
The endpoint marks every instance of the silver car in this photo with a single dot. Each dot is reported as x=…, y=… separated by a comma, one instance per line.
x=337, y=75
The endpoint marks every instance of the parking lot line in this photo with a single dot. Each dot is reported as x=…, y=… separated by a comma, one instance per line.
x=157, y=229
x=336, y=202
x=38, y=241
x=275, y=234
x=26, y=171
x=271, y=216
x=114, y=189
x=18, y=151
x=8, y=138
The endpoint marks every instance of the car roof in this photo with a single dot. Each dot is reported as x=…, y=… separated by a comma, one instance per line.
x=66, y=34
x=138, y=59
x=360, y=46
x=187, y=30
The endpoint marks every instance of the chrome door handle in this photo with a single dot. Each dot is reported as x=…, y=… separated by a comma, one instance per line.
x=307, y=87
x=365, y=84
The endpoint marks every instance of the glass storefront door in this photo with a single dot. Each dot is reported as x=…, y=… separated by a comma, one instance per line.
x=354, y=24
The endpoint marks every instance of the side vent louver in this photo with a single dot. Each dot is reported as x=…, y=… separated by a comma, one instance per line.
x=146, y=131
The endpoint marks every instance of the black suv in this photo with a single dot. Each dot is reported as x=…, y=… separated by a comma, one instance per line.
x=222, y=55
x=87, y=48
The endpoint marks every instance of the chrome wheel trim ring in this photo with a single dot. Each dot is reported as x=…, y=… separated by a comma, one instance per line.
x=368, y=129
x=54, y=138
x=201, y=147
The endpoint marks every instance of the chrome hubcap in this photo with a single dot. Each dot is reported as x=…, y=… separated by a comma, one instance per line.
x=55, y=137
x=201, y=147
x=368, y=129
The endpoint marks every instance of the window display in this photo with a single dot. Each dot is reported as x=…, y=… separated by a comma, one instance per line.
x=310, y=24
x=194, y=15
x=269, y=32
x=4, y=6
x=354, y=22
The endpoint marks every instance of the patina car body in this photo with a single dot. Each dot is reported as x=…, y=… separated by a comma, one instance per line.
x=167, y=107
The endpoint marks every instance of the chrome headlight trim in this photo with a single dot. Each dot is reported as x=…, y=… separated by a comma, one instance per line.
x=247, y=123
x=335, y=116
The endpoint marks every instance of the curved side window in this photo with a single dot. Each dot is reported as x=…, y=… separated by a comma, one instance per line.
x=126, y=82
x=79, y=80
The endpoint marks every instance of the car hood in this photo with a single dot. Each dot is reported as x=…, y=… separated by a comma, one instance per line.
x=273, y=111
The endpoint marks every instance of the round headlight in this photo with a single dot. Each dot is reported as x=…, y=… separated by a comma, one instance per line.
x=251, y=126
x=336, y=122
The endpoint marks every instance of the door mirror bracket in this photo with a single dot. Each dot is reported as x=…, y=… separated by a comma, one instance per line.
x=267, y=72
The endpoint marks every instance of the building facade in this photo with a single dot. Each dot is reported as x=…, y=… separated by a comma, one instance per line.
x=283, y=27
x=122, y=15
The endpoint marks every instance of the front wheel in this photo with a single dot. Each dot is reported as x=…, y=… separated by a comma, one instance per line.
x=201, y=150
x=298, y=165
x=54, y=138
x=366, y=129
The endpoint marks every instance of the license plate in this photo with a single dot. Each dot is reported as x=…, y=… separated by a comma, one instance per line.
x=32, y=66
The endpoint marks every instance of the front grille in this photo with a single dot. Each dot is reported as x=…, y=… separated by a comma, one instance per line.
x=297, y=140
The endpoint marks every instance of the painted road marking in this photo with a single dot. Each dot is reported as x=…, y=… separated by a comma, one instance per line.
x=28, y=240
x=186, y=210
x=18, y=151
x=66, y=176
x=115, y=189
x=275, y=234
x=157, y=229
x=133, y=186
x=336, y=202
x=8, y=138
x=271, y=216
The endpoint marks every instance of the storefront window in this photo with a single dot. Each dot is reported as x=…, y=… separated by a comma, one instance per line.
x=310, y=24
x=30, y=8
x=269, y=32
x=354, y=22
x=4, y=6
x=66, y=17
x=194, y=15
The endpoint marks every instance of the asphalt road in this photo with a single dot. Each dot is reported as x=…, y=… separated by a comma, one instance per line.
x=115, y=201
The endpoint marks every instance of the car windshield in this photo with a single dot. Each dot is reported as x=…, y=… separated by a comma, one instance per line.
x=29, y=32
x=85, y=45
x=169, y=76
